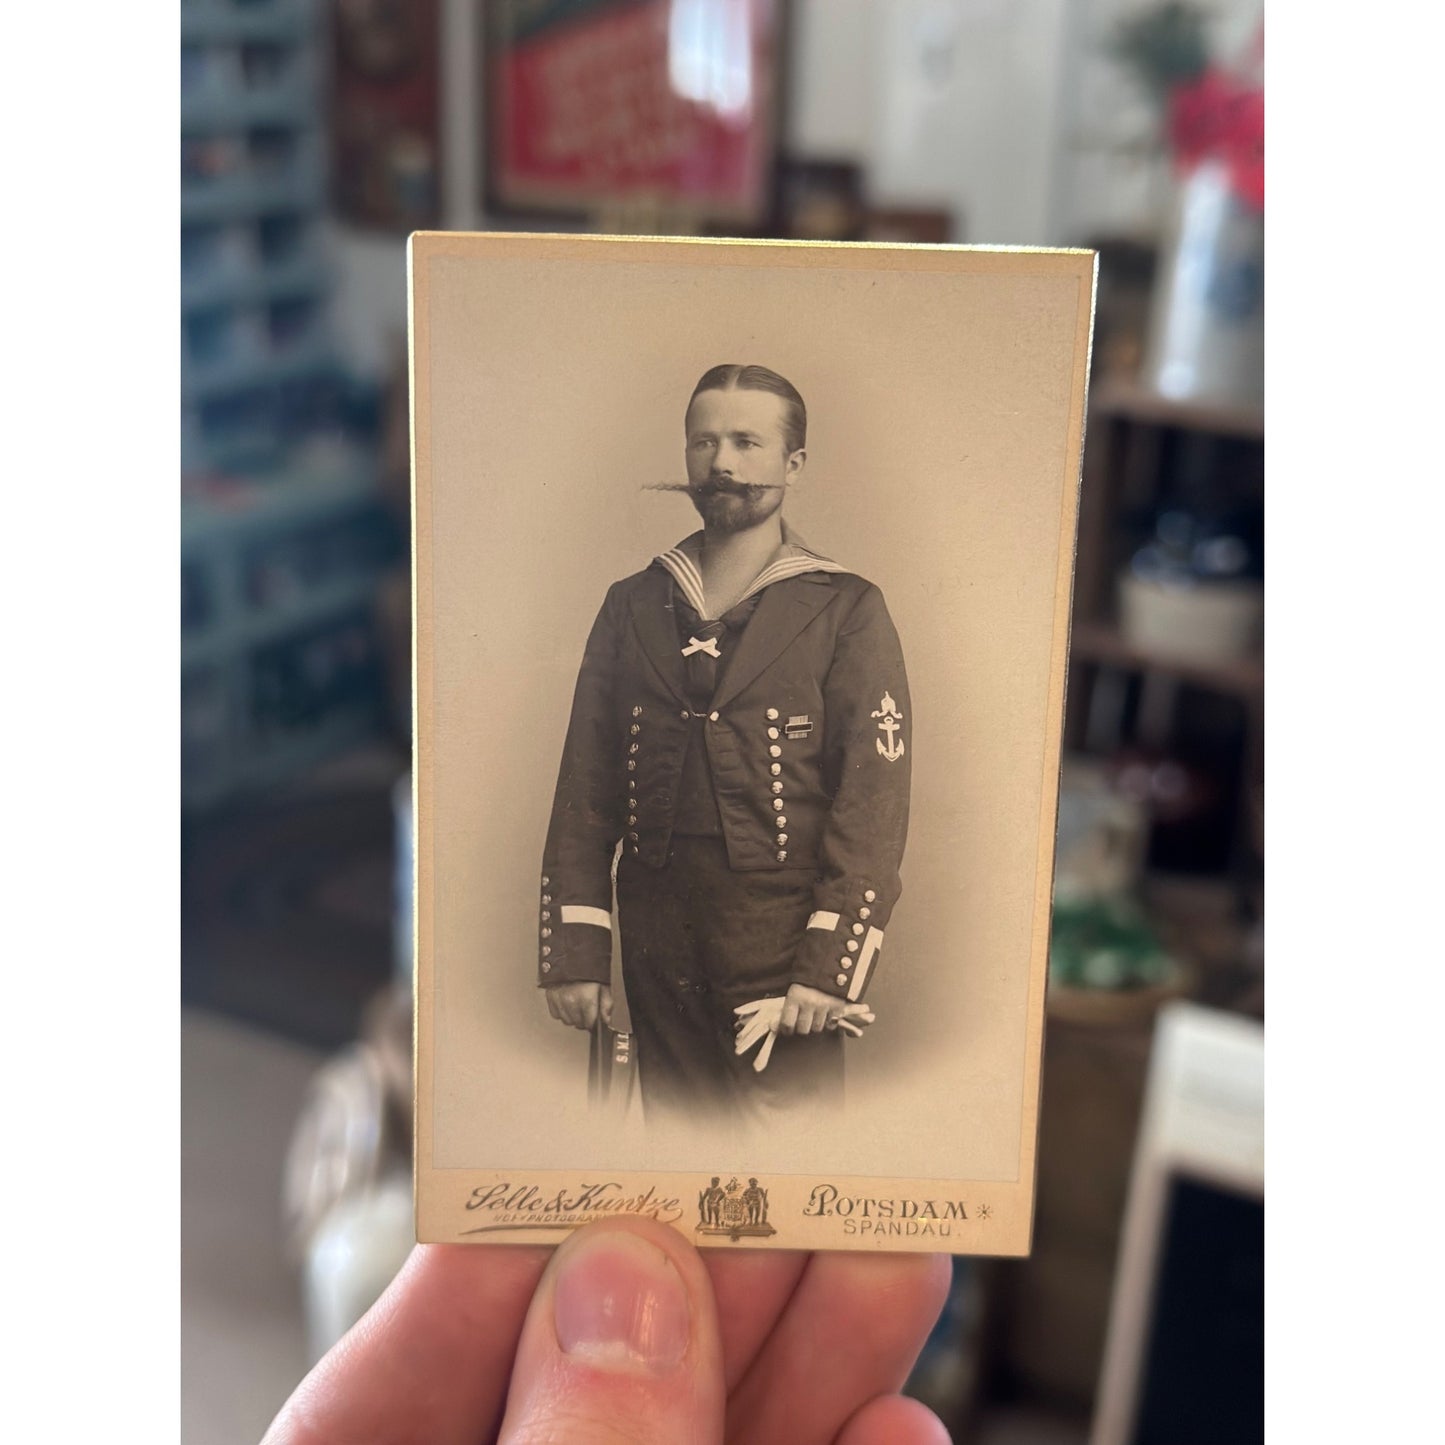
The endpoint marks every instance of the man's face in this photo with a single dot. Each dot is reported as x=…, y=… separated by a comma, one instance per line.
x=738, y=464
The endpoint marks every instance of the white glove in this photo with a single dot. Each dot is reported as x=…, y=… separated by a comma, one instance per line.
x=759, y=1020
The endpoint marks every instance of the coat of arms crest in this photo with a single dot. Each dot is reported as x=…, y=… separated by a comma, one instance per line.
x=736, y=1210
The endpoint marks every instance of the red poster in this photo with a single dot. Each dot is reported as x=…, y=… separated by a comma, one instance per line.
x=597, y=103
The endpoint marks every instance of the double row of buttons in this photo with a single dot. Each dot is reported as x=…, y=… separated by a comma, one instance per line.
x=775, y=767
x=858, y=929
x=546, y=924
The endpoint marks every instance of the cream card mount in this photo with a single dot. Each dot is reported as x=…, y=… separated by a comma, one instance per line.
x=742, y=578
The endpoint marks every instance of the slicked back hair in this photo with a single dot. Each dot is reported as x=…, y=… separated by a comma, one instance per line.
x=732, y=377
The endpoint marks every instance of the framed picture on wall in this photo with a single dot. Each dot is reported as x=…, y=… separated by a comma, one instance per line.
x=743, y=576
x=605, y=106
x=385, y=113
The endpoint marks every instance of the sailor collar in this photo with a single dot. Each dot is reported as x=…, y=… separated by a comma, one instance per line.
x=792, y=559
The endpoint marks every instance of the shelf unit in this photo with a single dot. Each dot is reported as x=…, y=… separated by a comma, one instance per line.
x=283, y=533
x=1127, y=424
x=1123, y=397
x=1050, y=1314
x=1135, y=437
x=279, y=664
x=253, y=195
x=1102, y=643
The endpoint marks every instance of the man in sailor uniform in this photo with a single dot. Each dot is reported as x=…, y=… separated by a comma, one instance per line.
x=737, y=767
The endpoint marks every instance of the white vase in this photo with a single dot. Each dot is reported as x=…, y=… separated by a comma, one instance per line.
x=355, y=1253
x=1206, y=335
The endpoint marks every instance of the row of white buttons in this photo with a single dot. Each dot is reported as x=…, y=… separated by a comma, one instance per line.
x=852, y=944
x=774, y=751
x=634, y=730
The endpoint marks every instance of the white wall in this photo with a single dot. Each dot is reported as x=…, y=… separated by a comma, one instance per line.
x=1008, y=111
x=968, y=112
x=832, y=77
x=368, y=301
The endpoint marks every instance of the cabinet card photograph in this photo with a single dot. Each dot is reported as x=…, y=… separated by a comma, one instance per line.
x=742, y=584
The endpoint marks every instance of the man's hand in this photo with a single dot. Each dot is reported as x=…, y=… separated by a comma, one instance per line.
x=580, y=1004
x=627, y=1333
x=809, y=1010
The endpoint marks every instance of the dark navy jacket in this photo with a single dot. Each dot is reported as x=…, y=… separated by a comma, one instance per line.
x=809, y=741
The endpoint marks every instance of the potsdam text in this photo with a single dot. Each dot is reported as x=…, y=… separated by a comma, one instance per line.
x=867, y=1214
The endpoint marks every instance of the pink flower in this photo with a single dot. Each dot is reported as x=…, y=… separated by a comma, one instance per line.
x=1216, y=117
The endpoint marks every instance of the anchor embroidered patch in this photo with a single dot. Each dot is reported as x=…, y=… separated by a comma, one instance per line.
x=890, y=726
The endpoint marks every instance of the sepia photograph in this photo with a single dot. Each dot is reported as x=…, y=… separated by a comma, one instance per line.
x=743, y=574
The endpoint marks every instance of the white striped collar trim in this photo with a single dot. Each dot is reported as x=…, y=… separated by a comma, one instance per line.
x=688, y=578
x=791, y=560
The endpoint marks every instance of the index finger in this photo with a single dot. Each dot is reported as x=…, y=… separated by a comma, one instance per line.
x=850, y=1331
x=752, y=1288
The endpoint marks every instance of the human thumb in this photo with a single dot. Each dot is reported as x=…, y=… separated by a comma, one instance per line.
x=620, y=1344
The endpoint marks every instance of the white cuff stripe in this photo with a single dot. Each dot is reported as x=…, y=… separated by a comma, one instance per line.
x=579, y=913
x=823, y=919
x=871, y=944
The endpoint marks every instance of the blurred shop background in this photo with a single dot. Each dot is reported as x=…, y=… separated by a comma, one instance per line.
x=314, y=135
